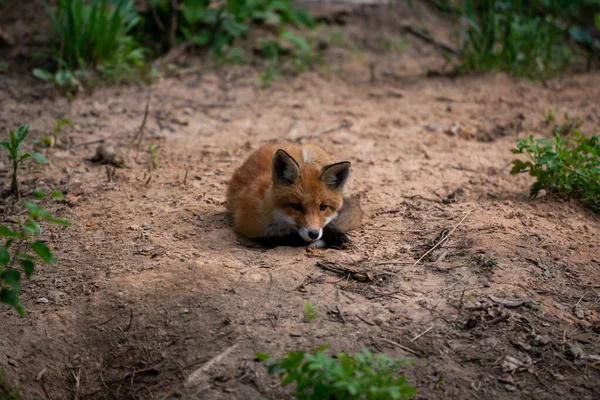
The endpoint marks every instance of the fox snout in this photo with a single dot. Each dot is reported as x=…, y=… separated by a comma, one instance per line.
x=310, y=235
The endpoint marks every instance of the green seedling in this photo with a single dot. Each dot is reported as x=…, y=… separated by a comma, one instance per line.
x=51, y=141
x=352, y=377
x=13, y=147
x=21, y=249
x=309, y=312
x=484, y=263
x=153, y=156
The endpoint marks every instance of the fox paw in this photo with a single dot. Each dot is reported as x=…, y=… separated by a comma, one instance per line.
x=335, y=238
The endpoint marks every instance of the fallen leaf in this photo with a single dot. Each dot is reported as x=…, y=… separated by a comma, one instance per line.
x=41, y=374
x=511, y=364
x=508, y=301
x=89, y=224
x=506, y=378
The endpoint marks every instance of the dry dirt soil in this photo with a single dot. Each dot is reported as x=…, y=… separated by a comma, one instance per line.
x=152, y=284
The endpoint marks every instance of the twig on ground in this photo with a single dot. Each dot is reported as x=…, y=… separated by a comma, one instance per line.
x=344, y=124
x=581, y=298
x=173, y=26
x=337, y=307
x=393, y=230
x=500, y=318
x=426, y=36
x=400, y=346
x=130, y=320
x=422, y=333
x=346, y=270
x=197, y=375
x=365, y=321
x=94, y=141
x=445, y=238
x=185, y=176
x=139, y=135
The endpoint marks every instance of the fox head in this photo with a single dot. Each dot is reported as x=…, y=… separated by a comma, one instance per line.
x=306, y=197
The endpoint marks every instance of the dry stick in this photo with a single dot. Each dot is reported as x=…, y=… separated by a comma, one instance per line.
x=341, y=125
x=428, y=38
x=421, y=334
x=185, y=177
x=130, y=320
x=155, y=16
x=173, y=23
x=580, y=299
x=340, y=313
x=94, y=141
x=197, y=374
x=140, y=132
x=365, y=321
x=393, y=230
x=400, y=346
x=501, y=318
x=443, y=239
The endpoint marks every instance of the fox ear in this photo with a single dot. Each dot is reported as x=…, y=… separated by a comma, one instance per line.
x=285, y=169
x=334, y=176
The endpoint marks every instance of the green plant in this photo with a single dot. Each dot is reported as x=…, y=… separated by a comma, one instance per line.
x=7, y=391
x=51, y=141
x=153, y=156
x=13, y=146
x=93, y=37
x=360, y=376
x=217, y=26
x=4, y=66
x=567, y=166
x=21, y=249
x=309, y=312
x=529, y=39
x=484, y=263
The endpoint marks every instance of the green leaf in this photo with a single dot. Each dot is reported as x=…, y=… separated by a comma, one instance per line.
x=28, y=267
x=42, y=74
x=43, y=252
x=40, y=159
x=63, y=77
x=4, y=256
x=21, y=133
x=58, y=221
x=11, y=298
x=60, y=123
x=519, y=166
x=203, y=37
x=6, y=232
x=31, y=227
x=261, y=356
x=12, y=278
x=58, y=195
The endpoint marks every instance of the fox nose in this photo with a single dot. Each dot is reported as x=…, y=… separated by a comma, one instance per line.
x=313, y=234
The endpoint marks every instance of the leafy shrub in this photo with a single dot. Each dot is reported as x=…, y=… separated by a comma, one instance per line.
x=528, y=39
x=360, y=376
x=217, y=27
x=565, y=165
x=13, y=146
x=93, y=37
x=21, y=249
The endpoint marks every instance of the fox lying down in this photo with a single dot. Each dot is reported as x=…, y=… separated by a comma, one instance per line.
x=292, y=195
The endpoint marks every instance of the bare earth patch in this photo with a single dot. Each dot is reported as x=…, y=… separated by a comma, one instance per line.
x=153, y=284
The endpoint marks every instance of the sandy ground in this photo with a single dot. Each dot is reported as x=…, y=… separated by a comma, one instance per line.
x=152, y=283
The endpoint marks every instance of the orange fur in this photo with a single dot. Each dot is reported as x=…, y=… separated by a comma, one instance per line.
x=261, y=204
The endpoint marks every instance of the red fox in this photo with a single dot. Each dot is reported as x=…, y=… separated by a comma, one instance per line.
x=290, y=194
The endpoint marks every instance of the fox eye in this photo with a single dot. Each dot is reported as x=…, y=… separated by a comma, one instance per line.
x=323, y=207
x=296, y=206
